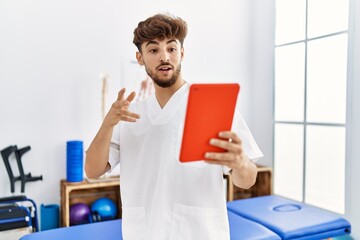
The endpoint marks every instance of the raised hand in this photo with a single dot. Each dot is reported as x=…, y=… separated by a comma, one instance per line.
x=119, y=110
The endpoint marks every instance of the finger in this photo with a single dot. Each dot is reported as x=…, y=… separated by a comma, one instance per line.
x=120, y=104
x=231, y=136
x=131, y=97
x=228, y=164
x=121, y=94
x=228, y=156
x=217, y=162
x=225, y=144
x=127, y=119
x=128, y=114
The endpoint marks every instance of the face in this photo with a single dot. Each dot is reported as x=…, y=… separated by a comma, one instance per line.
x=162, y=60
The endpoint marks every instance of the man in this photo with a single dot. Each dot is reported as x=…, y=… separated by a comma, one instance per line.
x=161, y=197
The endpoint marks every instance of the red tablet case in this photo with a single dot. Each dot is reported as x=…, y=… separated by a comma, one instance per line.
x=210, y=109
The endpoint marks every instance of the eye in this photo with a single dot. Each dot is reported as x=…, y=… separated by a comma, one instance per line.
x=153, y=50
x=172, y=49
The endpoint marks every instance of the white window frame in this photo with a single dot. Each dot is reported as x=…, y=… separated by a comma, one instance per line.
x=306, y=123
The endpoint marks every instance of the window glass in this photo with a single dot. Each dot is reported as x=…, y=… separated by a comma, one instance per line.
x=290, y=21
x=325, y=167
x=289, y=82
x=326, y=79
x=327, y=17
x=288, y=167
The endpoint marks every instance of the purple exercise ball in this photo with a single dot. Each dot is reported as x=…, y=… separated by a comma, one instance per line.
x=79, y=213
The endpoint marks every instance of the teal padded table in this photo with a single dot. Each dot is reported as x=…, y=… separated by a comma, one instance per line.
x=240, y=228
x=261, y=218
x=107, y=230
x=291, y=219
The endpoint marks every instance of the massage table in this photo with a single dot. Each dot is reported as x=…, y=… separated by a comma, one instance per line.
x=244, y=229
x=240, y=229
x=291, y=219
x=260, y=218
x=107, y=230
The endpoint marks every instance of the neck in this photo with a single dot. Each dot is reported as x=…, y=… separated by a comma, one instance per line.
x=163, y=95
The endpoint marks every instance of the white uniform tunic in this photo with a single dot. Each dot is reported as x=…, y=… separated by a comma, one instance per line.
x=161, y=197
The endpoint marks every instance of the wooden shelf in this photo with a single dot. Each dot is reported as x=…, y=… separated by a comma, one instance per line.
x=87, y=192
x=262, y=187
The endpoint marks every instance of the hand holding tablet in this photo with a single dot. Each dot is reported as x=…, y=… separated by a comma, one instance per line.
x=210, y=110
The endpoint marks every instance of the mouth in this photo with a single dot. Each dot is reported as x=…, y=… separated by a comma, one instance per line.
x=164, y=68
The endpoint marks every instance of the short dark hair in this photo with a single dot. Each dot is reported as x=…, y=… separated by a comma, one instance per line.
x=160, y=26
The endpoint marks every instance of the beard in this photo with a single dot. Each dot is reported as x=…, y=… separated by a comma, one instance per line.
x=165, y=83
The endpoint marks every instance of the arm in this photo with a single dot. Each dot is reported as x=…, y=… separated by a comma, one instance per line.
x=97, y=155
x=244, y=176
x=243, y=171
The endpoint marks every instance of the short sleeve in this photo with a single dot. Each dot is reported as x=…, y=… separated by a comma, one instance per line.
x=114, y=152
x=250, y=147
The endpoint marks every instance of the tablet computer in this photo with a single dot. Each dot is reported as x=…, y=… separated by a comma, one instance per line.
x=210, y=109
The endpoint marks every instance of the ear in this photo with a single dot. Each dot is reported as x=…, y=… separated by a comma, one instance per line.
x=139, y=58
x=182, y=54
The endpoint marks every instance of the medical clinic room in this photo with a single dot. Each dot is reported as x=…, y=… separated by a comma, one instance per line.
x=179, y=120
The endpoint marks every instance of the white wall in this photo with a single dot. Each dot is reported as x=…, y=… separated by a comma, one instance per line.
x=262, y=80
x=353, y=164
x=51, y=54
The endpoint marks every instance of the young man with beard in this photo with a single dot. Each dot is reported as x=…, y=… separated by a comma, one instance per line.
x=161, y=197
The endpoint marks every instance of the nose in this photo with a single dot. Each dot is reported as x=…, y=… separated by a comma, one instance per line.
x=164, y=57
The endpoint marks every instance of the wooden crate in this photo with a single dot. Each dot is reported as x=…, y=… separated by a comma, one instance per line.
x=87, y=192
x=262, y=187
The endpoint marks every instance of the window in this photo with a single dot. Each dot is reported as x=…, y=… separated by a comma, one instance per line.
x=311, y=43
